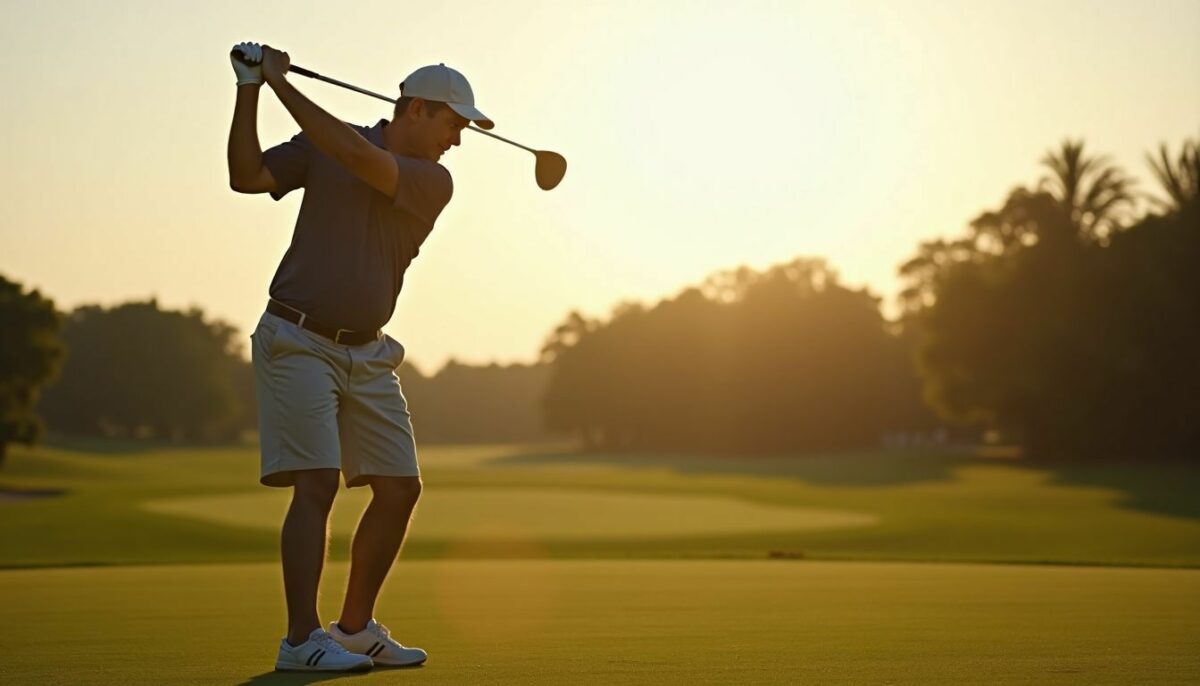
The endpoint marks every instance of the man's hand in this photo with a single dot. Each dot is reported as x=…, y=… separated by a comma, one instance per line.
x=246, y=59
x=275, y=63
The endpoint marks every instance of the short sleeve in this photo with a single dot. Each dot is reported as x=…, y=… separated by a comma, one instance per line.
x=423, y=189
x=288, y=163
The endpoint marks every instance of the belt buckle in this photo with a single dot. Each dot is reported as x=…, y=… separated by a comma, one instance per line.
x=337, y=337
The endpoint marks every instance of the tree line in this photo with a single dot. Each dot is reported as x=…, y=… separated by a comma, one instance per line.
x=780, y=360
x=138, y=371
x=1062, y=320
x=1065, y=319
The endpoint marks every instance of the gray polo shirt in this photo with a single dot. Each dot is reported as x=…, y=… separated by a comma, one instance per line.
x=352, y=244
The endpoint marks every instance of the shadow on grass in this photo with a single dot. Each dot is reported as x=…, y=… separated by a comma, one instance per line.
x=849, y=469
x=273, y=678
x=1167, y=488
x=290, y=678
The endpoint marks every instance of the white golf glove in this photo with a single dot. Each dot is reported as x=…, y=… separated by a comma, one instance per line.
x=247, y=73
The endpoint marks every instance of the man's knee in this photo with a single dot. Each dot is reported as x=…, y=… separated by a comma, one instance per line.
x=315, y=488
x=397, y=491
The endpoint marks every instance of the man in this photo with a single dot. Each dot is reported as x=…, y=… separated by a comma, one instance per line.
x=328, y=396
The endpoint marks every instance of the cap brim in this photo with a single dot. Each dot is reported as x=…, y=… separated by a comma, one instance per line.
x=469, y=112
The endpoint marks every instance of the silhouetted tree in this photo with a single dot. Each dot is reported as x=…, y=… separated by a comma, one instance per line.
x=465, y=403
x=1094, y=194
x=1152, y=297
x=1180, y=179
x=1074, y=338
x=1027, y=218
x=137, y=370
x=780, y=360
x=30, y=356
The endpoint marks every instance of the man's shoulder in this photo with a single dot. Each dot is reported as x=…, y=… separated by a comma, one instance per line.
x=422, y=182
x=431, y=171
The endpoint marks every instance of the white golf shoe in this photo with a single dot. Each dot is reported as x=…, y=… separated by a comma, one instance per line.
x=320, y=653
x=375, y=642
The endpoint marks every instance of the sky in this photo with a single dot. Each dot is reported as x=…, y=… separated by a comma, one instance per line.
x=700, y=136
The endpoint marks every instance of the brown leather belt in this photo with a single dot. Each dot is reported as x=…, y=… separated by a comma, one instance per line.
x=339, y=336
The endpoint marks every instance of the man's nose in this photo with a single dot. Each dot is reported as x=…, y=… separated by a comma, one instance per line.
x=457, y=140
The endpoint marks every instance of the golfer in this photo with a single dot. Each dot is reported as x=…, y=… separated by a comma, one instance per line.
x=329, y=401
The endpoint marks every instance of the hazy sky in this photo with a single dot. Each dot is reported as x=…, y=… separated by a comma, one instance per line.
x=700, y=136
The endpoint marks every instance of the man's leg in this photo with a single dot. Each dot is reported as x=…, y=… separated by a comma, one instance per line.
x=376, y=543
x=304, y=540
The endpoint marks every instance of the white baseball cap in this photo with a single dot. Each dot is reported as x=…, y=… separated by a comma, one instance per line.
x=443, y=84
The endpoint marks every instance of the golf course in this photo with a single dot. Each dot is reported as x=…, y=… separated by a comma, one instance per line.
x=531, y=564
x=606, y=343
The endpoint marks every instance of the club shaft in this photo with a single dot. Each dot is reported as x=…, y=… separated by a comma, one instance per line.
x=314, y=75
x=502, y=138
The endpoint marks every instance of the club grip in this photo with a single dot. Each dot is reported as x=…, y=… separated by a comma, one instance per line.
x=293, y=69
x=240, y=57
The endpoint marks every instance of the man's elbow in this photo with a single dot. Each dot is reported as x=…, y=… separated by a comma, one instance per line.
x=243, y=188
x=262, y=182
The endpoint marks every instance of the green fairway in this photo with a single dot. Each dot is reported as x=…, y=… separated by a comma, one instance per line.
x=523, y=567
x=183, y=506
x=604, y=622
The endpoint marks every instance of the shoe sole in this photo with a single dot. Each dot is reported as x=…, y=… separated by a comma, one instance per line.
x=357, y=668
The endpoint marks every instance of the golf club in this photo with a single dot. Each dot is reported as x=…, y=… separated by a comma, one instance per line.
x=549, y=168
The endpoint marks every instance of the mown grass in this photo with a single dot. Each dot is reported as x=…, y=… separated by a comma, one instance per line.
x=637, y=622
x=580, y=609
x=926, y=506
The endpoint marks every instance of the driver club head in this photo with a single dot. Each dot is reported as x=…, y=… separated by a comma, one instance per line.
x=549, y=169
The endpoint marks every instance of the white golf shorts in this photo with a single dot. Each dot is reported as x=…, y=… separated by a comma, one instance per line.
x=324, y=405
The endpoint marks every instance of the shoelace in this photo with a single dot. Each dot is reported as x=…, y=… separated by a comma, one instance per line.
x=330, y=644
x=382, y=632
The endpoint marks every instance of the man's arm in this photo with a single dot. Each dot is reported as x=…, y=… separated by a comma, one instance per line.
x=331, y=136
x=247, y=173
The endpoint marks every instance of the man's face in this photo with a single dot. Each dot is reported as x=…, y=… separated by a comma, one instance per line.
x=437, y=133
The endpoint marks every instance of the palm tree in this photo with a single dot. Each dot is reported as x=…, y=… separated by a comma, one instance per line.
x=1181, y=179
x=1093, y=192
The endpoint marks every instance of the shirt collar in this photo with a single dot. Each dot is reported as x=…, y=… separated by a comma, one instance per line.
x=375, y=133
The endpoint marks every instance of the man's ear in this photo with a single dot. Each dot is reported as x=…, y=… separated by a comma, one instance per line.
x=408, y=107
x=418, y=107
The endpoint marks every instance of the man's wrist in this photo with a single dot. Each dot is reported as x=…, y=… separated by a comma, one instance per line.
x=277, y=82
